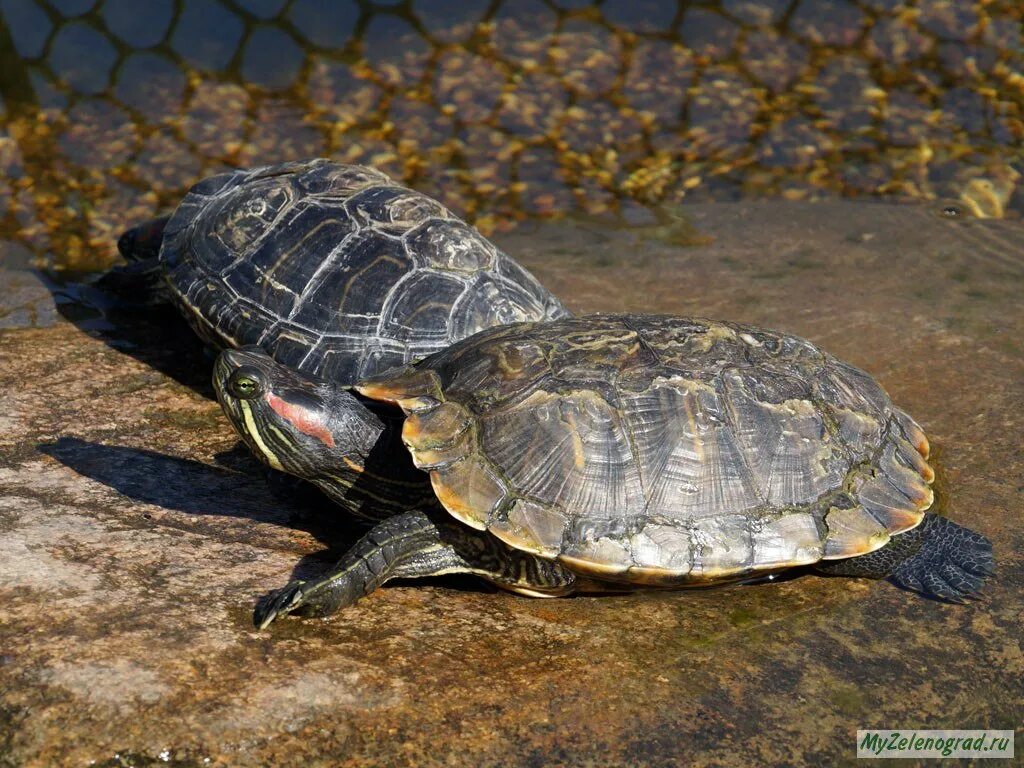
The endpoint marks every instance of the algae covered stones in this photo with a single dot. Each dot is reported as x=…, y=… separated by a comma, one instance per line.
x=610, y=452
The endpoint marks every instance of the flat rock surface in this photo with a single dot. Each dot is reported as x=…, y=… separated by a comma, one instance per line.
x=136, y=534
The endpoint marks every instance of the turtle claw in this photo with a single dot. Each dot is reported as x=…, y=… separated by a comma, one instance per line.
x=280, y=602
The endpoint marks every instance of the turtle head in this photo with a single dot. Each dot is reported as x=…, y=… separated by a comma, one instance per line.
x=143, y=242
x=300, y=425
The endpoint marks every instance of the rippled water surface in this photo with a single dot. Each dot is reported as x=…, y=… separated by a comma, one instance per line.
x=504, y=110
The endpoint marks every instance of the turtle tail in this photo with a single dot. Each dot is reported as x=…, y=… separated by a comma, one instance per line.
x=938, y=559
x=141, y=279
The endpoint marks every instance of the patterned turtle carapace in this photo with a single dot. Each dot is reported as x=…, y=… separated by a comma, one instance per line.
x=337, y=271
x=662, y=450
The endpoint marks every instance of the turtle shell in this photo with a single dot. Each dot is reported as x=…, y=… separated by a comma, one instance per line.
x=336, y=270
x=662, y=450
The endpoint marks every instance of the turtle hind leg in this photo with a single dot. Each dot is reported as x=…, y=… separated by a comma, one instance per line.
x=413, y=545
x=951, y=563
x=938, y=559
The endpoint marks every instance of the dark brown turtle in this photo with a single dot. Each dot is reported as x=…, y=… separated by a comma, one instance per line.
x=334, y=270
x=610, y=450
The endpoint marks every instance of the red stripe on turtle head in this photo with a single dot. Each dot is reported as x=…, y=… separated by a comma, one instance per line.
x=306, y=421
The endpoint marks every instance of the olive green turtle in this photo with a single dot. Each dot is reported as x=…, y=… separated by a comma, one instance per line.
x=611, y=451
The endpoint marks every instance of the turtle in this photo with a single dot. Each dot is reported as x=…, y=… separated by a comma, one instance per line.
x=608, y=452
x=333, y=269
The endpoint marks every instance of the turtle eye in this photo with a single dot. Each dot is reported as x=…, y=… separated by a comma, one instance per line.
x=244, y=385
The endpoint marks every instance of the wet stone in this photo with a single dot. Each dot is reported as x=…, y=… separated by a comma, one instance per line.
x=721, y=112
x=152, y=84
x=334, y=88
x=642, y=16
x=587, y=56
x=382, y=38
x=154, y=168
x=264, y=9
x=71, y=8
x=829, y=22
x=214, y=118
x=708, y=34
x=468, y=86
x=658, y=77
x=794, y=143
x=691, y=93
x=25, y=300
x=756, y=11
x=99, y=128
x=449, y=22
x=137, y=29
x=279, y=134
x=206, y=34
x=524, y=32
x=840, y=91
x=896, y=41
x=82, y=57
x=326, y=25
x=29, y=27
x=774, y=60
x=416, y=121
x=271, y=59
x=948, y=19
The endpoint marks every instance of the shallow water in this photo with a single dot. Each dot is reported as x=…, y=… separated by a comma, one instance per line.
x=505, y=110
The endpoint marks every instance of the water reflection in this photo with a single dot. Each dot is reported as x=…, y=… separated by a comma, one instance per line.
x=110, y=109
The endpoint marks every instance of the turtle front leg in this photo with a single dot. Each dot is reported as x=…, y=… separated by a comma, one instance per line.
x=414, y=545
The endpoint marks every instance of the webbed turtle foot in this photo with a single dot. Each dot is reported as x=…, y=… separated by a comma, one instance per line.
x=280, y=602
x=938, y=559
x=951, y=565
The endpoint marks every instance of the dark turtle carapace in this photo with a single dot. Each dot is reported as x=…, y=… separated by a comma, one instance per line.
x=334, y=270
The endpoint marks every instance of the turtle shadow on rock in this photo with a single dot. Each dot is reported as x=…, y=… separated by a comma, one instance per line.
x=153, y=333
x=238, y=488
x=241, y=488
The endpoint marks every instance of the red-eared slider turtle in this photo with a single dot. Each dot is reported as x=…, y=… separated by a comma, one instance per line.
x=334, y=270
x=611, y=450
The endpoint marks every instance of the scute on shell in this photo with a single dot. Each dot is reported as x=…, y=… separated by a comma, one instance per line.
x=598, y=442
x=791, y=539
x=531, y=527
x=338, y=268
x=852, y=532
x=410, y=388
x=469, y=489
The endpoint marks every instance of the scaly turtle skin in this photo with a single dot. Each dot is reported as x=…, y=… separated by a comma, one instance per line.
x=334, y=270
x=622, y=450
